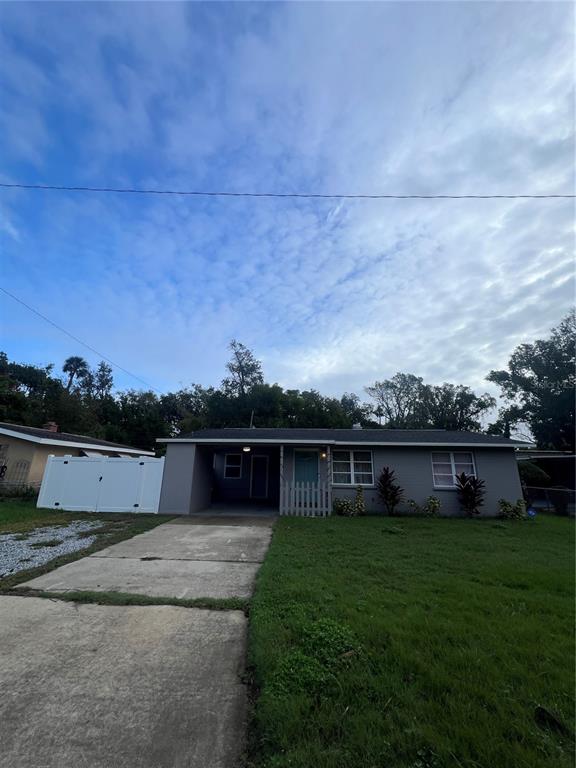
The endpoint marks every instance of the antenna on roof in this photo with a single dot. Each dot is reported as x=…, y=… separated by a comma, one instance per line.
x=252, y=419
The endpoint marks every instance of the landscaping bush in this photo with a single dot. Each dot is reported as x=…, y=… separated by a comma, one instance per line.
x=391, y=494
x=513, y=511
x=349, y=508
x=430, y=508
x=359, y=503
x=470, y=493
x=344, y=507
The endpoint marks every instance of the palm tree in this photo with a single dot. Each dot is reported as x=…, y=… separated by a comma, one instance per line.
x=75, y=367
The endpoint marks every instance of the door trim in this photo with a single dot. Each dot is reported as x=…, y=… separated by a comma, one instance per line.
x=259, y=456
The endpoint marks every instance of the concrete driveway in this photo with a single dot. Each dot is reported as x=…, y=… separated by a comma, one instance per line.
x=153, y=686
x=182, y=558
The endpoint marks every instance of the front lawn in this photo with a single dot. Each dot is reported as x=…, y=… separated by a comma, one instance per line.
x=413, y=643
x=23, y=518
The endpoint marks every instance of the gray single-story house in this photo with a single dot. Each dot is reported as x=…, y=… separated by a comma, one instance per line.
x=301, y=471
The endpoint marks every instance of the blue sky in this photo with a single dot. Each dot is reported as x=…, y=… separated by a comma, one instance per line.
x=461, y=98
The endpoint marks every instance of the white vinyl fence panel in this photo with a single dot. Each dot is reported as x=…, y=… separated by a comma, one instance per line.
x=101, y=484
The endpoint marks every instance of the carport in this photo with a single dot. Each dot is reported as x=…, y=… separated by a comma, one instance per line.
x=221, y=479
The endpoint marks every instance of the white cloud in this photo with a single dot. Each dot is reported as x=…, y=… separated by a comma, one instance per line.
x=407, y=98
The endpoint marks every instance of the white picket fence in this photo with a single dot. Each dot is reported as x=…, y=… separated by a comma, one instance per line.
x=101, y=484
x=306, y=499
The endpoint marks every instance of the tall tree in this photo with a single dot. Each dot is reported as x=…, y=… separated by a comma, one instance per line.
x=454, y=406
x=76, y=367
x=103, y=380
x=245, y=370
x=405, y=402
x=539, y=386
x=354, y=410
x=398, y=400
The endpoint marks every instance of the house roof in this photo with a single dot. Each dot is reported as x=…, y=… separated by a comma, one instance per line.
x=66, y=439
x=435, y=437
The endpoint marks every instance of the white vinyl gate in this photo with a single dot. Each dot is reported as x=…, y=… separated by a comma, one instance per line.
x=101, y=484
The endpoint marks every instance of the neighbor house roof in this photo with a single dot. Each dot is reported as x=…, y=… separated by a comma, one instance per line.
x=422, y=437
x=65, y=439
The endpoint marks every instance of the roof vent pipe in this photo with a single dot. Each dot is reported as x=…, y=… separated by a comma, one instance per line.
x=356, y=426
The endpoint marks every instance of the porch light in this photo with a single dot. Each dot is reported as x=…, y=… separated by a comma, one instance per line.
x=323, y=455
x=246, y=449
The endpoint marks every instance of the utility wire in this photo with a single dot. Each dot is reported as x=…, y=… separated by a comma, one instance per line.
x=71, y=335
x=198, y=193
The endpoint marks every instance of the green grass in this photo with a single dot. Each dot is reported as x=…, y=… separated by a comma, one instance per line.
x=22, y=517
x=379, y=643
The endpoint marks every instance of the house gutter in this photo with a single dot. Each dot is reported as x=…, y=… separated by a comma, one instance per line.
x=261, y=441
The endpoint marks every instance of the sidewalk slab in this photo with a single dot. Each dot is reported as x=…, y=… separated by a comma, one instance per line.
x=156, y=578
x=120, y=686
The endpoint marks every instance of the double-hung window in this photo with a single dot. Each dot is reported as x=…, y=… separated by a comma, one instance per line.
x=352, y=468
x=446, y=465
x=233, y=466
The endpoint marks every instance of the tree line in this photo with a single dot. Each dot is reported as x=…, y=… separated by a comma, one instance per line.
x=537, y=390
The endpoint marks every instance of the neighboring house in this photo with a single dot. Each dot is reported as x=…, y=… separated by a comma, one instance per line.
x=301, y=471
x=24, y=451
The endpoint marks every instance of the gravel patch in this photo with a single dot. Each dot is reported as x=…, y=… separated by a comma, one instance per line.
x=21, y=551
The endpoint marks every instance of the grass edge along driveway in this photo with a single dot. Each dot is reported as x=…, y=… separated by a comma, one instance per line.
x=412, y=643
x=18, y=516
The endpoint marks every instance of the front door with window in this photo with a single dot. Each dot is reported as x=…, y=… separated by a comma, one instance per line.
x=306, y=466
x=259, y=477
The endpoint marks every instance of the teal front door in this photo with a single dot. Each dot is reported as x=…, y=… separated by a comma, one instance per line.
x=306, y=466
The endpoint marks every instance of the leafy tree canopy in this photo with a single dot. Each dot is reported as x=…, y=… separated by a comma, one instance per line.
x=539, y=386
x=84, y=400
x=405, y=402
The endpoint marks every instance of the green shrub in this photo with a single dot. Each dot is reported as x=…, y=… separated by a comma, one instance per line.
x=470, y=493
x=512, y=511
x=532, y=474
x=344, y=507
x=430, y=508
x=359, y=503
x=391, y=494
x=348, y=508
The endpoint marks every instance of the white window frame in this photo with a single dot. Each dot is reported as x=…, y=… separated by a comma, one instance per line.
x=453, y=467
x=236, y=466
x=351, y=453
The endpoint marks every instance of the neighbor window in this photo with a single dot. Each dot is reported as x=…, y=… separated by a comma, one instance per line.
x=233, y=466
x=352, y=468
x=447, y=464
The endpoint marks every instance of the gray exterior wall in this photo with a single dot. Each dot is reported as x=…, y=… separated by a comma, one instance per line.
x=413, y=468
x=186, y=483
x=192, y=473
x=238, y=489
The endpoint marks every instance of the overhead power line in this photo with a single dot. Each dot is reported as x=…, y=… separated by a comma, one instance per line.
x=79, y=341
x=306, y=195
